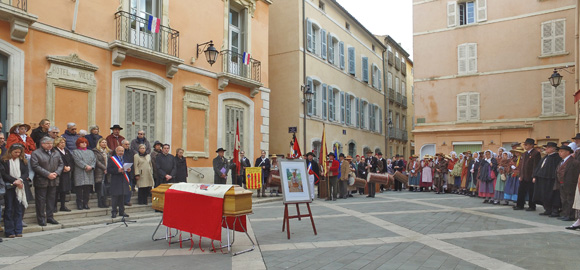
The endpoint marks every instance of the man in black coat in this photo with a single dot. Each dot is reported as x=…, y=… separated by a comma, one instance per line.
x=166, y=166
x=129, y=157
x=544, y=178
x=220, y=165
x=263, y=162
x=120, y=181
x=371, y=166
x=399, y=166
x=567, y=181
x=530, y=160
x=241, y=174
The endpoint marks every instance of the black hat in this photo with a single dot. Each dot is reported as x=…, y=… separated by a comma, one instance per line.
x=220, y=149
x=331, y=154
x=551, y=144
x=157, y=143
x=380, y=153
x=577, y=136
x=516, y=144
x=530, y=141
x=116, y=126
x=310, y=154
x=370, y=151
x=565, y=147
x=341, y=155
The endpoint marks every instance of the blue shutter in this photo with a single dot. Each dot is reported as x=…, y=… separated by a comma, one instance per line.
x=330, y=103
x=351, y=61
x=324, y=102
x=310, y=105
x=362, y=114
x=380, y=120
x=330, y=49
x=357, y=112
x=309, y=35
x=348, y=110
x=342, y=107
x=371, y=116
x=341, y=49
x=380, y=77
x=323, y=43
x=365, y=69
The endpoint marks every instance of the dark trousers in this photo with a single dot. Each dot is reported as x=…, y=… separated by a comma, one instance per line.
x=372, y=189
x=567, y=202
x=117, y=202
x=12, y=213
x=526, y=188
x=554, y=204
x=83, y=193
x=239, y=180
x=143, y=195
x=333, y=190
x=60, y=197
x=100, y=198
x=343, y=187
x=398, y=185
x=44, y=199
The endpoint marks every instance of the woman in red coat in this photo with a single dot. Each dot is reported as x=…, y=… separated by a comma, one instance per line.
x=18, y=135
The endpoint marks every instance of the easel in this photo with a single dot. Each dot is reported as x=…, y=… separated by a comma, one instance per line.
x=286, y=221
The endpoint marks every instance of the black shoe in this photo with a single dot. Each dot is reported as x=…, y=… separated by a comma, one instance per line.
x=80, y=206
x=560, y=218
x=485, y=201
x=125, y=215
x=52, y=221
x=554, y=215
x=572, y=227
x=113, y=215
x=42, y=223
x=64, y=209
x=568, y=219
x=86, y=206
x=529, y=209
x=518, y=208
x=545, y=214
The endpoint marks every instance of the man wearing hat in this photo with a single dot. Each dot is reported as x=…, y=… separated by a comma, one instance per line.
x=372, y=167
x=530, y=160
x=440, y=173
x=574, y=146
x=313, y=172
x=115, y=139
x=220, y=167
x=333, y=170
x=566, y=182
x=544, y=178
x=263, y=162
x=399, y=166
x=156, y=151
x=344, y=170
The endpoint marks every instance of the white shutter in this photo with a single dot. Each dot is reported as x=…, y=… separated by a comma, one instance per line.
x=357, y=112
x=462, y=59
x=330, y=49
x=390, y=80
x=451, y=13
x=323, y=45
x=309, y=44
x=351, y=61
x=341, y=52
x=559, y=36
x=310, y=105
x=462, y=107
x=481, y=10
x=342, y=107
x=365, y=69
x=473, y=106
x=560, y=99
x=547, y=38
x=324, y=102
x=547, y=99
x=472, y=58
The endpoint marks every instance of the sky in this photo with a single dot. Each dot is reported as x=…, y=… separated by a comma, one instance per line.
x=385, y=17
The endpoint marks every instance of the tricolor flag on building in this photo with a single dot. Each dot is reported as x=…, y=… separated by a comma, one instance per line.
x=246, y=58
x=154, y=24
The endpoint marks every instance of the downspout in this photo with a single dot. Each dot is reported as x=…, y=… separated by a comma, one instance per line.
x=74, y=25
x=576, y=62
x=386, y=105
x=304, y=37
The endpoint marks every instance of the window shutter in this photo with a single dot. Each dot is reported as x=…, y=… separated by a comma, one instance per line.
x=362, y=114
x=365, y=69
x=481, y=10
x=559, y=36
x=351, y=61
x=474, y=106
x=380, y=79
x=342, y=107
x=341, y=52
x=324, y=102
x=462, y=107
x=323, y=45
x=547, y=38
x=462, y=59
x=560, y=99
x=547, y=99
x=311, y=103
x=380, y=120
x=472, y=57
x=357, y=112
x=403, y=88
x=309, y=35
x=330, y=49
x=330, y=103
x=390, y=80
x=347, y=109
x=397, y=89
x=451, y=13
x=371, y=108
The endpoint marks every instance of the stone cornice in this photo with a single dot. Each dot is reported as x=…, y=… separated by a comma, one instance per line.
x=72, y=60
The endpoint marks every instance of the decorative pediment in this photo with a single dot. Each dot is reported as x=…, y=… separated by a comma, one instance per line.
x=197, y=89
x=72, y=60
x=249, y=4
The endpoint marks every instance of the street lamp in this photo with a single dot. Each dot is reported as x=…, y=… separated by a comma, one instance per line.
x=555, y=79
x=307, y=95
x=211, y=52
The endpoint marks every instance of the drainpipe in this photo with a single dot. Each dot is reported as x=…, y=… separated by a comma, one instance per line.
x=576, y=62
x=74, y=26
x=304, y=25
x=386, y=106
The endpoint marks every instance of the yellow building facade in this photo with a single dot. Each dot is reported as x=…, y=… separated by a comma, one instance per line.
x=109, y=62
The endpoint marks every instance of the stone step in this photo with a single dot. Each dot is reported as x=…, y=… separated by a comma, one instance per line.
x=93, y=212
x=71, y=204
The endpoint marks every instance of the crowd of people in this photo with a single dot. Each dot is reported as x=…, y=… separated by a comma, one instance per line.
x=44, y=166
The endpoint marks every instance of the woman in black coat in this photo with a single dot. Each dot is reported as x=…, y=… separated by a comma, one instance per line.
x=64, y=186
x=181, y=166
x=14, y=181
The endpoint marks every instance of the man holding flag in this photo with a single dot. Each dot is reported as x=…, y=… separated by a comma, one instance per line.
x=313, y=171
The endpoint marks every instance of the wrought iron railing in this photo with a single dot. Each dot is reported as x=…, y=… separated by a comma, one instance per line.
x=405, y=135
x=19, y=4
x=397, y=134
x=233, y=63
x=133, y=29
x=391, y=94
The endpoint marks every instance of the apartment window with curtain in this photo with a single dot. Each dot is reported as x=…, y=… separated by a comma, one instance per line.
x=466, y=12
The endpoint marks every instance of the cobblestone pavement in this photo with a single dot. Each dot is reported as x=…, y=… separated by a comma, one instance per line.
x=404, y=230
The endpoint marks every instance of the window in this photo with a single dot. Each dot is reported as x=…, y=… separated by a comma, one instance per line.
x=347, y=26
x=468, y=106
x=372, y=117
x=397, y=121
x=314, y=105
x=466, y=12
x=312, y=37
x=364, y=105
x=373, y=47
x=351, y=149
x=403, y=88
x=141, y=112
x=553, y=37
x=390, y=80
x=140, y=36
x=331, y=43
x=324, y=102
x=404, y=122
x=348, y=109
x=233, y=114
x=467, y=58
x=553, y=100
x=351, y=61
x=397, y=85
x=379, y=116
x=311, y=106
x=377, y=78
x=342, y=107
x=321, y=5
x=365, y=69
x=341, y=54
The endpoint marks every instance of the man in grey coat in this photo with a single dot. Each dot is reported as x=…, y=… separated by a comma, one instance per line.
x=220, y=167
x=47, y=166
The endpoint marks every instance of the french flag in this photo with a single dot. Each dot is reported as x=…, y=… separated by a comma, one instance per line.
x=154, y=24
x=246, y=59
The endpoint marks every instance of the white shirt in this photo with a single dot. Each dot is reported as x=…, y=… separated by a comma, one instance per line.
x=573, y=146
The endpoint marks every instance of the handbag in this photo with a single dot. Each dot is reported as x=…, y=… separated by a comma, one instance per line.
x=491, y=174
x=502, y=177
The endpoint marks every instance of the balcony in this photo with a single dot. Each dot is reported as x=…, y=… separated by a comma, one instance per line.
x=399, y=98
x=236, y=71
x=397, y=134
x=405, y=136
x=133, y=38
x=391, y=95
x=404, y=103
x=390, y=57
x=16, y=12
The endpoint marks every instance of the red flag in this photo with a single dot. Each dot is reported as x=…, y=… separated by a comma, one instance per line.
x=295, y=148
x=237, y=149
x=576, y=96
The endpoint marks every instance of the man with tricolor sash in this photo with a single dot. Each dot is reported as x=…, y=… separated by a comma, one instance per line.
x=120, y=181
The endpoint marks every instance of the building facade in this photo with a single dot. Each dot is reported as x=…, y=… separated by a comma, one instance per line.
x=410, y=109
x=140, y=67
x=481, y=84
x=343, y=66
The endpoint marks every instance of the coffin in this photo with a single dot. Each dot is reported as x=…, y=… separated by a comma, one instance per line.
x=237, y=201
